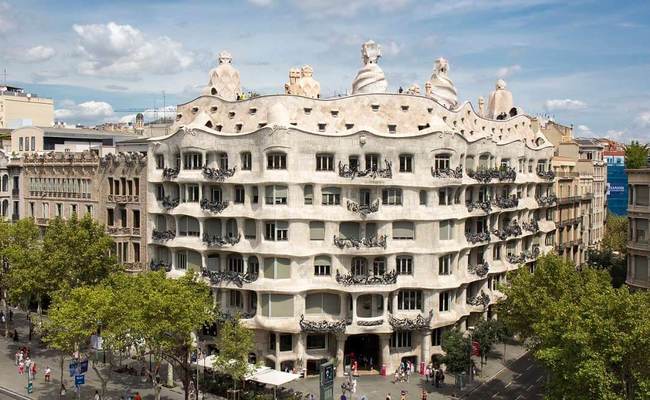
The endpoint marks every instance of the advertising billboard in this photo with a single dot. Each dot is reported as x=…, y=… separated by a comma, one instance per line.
x=616, y=184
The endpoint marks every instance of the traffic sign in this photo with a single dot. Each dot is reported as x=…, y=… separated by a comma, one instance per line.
x=30, y=388
x=79, y=379
x=327, y=381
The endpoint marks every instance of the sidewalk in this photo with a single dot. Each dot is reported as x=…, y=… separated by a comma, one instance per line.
x=43, y=357
x=376, y=387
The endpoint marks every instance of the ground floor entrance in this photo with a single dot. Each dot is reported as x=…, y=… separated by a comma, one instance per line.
x=364, y=350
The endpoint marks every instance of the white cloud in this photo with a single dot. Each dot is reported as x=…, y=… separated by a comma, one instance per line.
x=6, y=20
x=442, y=7
x=505, y=72
x=643, y=119
x=122, y=50
x=347, y=8
x=615, y=135
x=93, y=111
x=261, y=3
x=564, y=105
x=37, y=54
x=391, y=49
x=584, y=130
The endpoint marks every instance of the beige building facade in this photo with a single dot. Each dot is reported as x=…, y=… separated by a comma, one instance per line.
x=638, y=245
x=18, y=108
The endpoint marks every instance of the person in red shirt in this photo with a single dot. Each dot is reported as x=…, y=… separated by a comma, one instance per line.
x=137, y=396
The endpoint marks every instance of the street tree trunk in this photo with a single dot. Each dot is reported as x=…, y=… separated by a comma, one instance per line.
x=61, y=378
x=170, y=374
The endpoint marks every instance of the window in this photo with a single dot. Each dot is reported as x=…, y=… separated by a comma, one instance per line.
x=392, y=128
x=181, y=260
x=372, y=161
x=322, y=265
x=223, y=160
x=403, y=230
x=271, y=336
x=423, y=197
x=160, y=192
x=240, y=194
x=379, y=266
x=331, y=196
x=255, y=195
x=446, y=230
x=316, y=230
x=231, y=228
x=442, y=161
x=136, y=218
x=160, y=161
x=276, y=194
x=391, y=196
x=505, y=162
x=246, y=161
x=354, y=162
x=445, y=196
x=286, y=342
x=641, y=195
x=444, y=264
x=409, y=300
x=322, y=303
x=496, y=252
x=276, y=161
x=316, y=342
x=192, y=193
x=188, y=226
x=350, y=230
x=20, y=144
x=640, y=268
x=436, y=336
x=253, y=266
x=235, y=264
x=359, y=266
x=59, y=210
x=192, y=160
x=400, y=339
x=308, y=194
x=484, y=162
x=276, y=230
x=33, y=143
x=136, y=252
x=406, y=163
x=110, y=215
x=364, y=197
x=324, y=162
x=277, y=268
x=73, y=209
x=404, y=265
x=250, y=229
x=444, y=300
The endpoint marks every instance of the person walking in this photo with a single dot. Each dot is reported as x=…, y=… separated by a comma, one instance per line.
x=21, y=368
x=427, y=372
x=48, y=374
x=388, y=396
x=97, y=396
x=424, y=394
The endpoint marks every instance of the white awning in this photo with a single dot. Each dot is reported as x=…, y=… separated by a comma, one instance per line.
x=272, y=377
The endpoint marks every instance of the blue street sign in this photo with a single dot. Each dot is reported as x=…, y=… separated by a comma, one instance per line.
x=79, y=379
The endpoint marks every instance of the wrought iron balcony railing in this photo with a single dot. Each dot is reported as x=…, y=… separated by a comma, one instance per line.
x=371, y=322
x=118, y=230
x=387, y=278
x=213, y=206
x=220, y=241
x=218, y=174
x=485, y=175
x=234, y=277
x=160, y=265
x=545, y=201
x=474, y=238
x=516, y=259
x=481, y=269
x=162, y=235
x=170, y=173
x=480, y=299
x=486, y=206
x=346, y=172
x=374, y=241
x=513, y=229
x=531, y=226
x=363, y=209
x=447, y=173
x=169, y=203
x=418, y=323
x=548, y=175
x=323, y=326
x=505, y=202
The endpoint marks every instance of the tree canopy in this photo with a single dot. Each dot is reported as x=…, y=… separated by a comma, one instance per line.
x=615, y=236
x=235, y=342
x=636, y=155
x=591, y=337
x=457, y=351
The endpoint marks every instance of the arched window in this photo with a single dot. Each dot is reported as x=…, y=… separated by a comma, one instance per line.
x=5, y=207
x=379, y=266
x=359, y=266
x=188, y=226
x=231, y=228
x=5, y=182
x=442, y=162
x=253, y=265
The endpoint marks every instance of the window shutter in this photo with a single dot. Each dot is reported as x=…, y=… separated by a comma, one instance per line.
x=349, y=230
x=317, y=230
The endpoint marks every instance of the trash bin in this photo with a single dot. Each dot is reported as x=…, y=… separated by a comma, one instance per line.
x=383, y=370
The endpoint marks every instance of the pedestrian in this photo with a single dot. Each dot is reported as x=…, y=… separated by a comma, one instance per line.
x=62, y=391
x=48, y=374
x=97, y=396
x=424, y=394
x=16, y=357
x=354, y=386
x=440, y=377
x=11, y=315
x=21, y=368
x=137, y=396
x=403, y=395
x=343, y=396
x=388, y=396
x=15, y=335
x=427, y=372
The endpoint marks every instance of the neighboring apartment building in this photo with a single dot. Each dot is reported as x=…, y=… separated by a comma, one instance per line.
x=360, y=226
x=593, y=171
x=18, y=108
x=638, y=245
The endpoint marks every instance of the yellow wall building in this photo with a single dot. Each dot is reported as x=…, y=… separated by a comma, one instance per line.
x=18, y=108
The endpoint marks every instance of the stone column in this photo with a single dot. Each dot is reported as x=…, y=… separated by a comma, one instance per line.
x=300, y=352
x=385, y=299
x=340, y=355
x=425, y=346
x=384, y=344
x=354, y=308
x=277, y=351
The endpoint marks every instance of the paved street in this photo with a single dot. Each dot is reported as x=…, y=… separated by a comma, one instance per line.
x=523, y=379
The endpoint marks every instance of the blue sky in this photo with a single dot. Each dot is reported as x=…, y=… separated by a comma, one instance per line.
x=586, y=63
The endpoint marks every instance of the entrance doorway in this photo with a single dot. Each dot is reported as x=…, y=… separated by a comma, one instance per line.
x=364, y=349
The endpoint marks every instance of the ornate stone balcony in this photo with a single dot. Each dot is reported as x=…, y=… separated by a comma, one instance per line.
x=346, y=172
x=505, y=202
x=323, y=326
x=375, y=241
x=387, y=278
x=474, y=238
x=370, y=322
x=118, y=230
x=513, y=229
x=220, y=241
x=531, y=226
x=544, y=201
x=418, y=323
x=503, y=174
x=548, y=175
x=531, y=254
x=169, y=203
x=213, y=206
x=481, y=269
x=130, y=159
x=160, y=265
x=218, y=174
x=516, y=259
x=170, y=173
x=162, y=235
x=486, y=206
x=363, y=209
x=480, y=299
x=447, y=173
x=236, y=278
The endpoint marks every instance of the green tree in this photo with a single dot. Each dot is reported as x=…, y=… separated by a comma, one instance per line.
x=615, y=236
x=5, y=235
x=636, y=155
x=457, y=351
x=613, y=263
x=487, y=333
x=235, y=342
x=592, y=338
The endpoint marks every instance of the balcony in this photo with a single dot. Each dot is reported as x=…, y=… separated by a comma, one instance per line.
x=505, y=202
x=369, y=242
x=566, y=174
x=531, y=226
x=122, y=198
x=503, y=174
x=513, y=229
x=169, y=203
x=568, y=200
x=15, y=192
x=218, y=174
x=234, y=277
x=170, y=173
x=546, y=175
x=162, y=236
x=387, y=278
x=545, y=201
x=363, y=209
x=480, y=270
x=447, y=173
x=419, y=323
x=160, y=266
x=215, y=207
x=486, y=206
x=118, y=230
x=220, y=241
x=474, y=238
x=133, y=266
x=480, y=299
x=346, y=172
x=42, y=221
x=323, y=326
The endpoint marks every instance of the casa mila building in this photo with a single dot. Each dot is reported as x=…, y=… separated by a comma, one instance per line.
x=356, y=228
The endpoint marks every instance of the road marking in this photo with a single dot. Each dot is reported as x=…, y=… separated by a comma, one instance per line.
x=519, y=397
x=529, y=387
x=539, y=379
x=495, y=395
x=529, y=367
x=509, y=383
